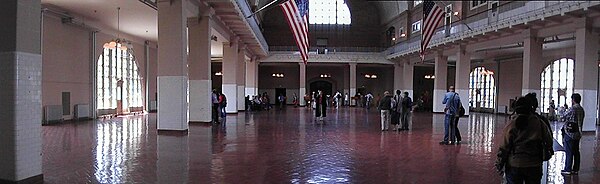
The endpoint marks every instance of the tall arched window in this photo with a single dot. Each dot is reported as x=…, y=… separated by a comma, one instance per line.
x=482, y=89
x=557, y=83
x=328, y=12
x=118, y=83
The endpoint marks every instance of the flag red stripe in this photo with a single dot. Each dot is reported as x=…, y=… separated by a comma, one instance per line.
x=431, y=27
x=298, y=26
x=293, y=27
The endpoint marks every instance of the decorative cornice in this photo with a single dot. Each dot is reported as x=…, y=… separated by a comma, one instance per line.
x=339, y=57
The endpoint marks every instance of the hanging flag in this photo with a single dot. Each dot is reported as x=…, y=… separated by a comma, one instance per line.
x=432, y=16
x=296, y=13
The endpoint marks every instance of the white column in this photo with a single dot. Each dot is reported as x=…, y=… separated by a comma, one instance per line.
x=398, y=77
x=302, y=76
x=251, y=67
x=230, y=65
x=532, y=63
x=20, y=93
x=199, y=69
x=439, y=86
x=408, y=72
x=353, y=79
x=586, y=72
x=172, y=67
x=241, y=81
x=463, y=68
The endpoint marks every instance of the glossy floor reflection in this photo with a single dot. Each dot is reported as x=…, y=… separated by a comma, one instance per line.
x=286, y=147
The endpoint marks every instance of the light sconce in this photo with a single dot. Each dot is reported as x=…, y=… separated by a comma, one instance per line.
x=429, y=76
x=393, y=38
x=218, y=74
x=278, y=75
x=368, y=76
x=325, y=76
x=455, y=13
x=403, y=35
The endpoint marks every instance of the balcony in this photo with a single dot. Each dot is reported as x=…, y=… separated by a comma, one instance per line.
x=481, y=24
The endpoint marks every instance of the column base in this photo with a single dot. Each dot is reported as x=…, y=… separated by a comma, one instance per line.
x=588, y=102
x=230, y=91
x=37, y=179
x=464, y=99
x=438, y=97
x=173, y=132
x=200, y=101
x=241, y=98
x=172, y=103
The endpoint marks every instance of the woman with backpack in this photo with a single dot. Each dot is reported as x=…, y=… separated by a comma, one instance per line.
x=222, y=104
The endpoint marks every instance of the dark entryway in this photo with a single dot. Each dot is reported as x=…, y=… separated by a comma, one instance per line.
x=324, y=86
x=278, y=92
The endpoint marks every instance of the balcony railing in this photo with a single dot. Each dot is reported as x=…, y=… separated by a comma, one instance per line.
x=245, y=8
x=481, y=24
x=330, y=50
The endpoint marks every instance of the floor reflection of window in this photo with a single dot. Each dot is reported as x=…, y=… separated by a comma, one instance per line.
x=328, y=12
x=557, y=83
x=118, y=79
x=481, y=130
x=482, y=88
x=117, y=145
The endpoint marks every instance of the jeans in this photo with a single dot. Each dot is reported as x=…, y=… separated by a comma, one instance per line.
x=524, y=174
x=385, y=119
x=451, y=130
x=215, y=112
x=572, y=154
x=404, y=119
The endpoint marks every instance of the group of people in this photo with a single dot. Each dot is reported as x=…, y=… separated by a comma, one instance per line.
x=395, y=110
x=527, y=141
x=219, y=103
x=258, y=102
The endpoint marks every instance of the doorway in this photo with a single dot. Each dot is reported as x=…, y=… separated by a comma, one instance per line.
x=324, y=86
x=279, y=92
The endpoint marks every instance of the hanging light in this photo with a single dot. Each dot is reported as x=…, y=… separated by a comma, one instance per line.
x=118, y=43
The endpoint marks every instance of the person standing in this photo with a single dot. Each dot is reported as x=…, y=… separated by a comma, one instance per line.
x=215, y=106
x=295, y=100
x=452, y=101
x=338, y=99
x=396, y=109
x=385, y=105
x=368, y=98
x=571, y=132
x=521, y=152
x=281, y=100
x=223, y=104
x=321, y=105
x=406, y=106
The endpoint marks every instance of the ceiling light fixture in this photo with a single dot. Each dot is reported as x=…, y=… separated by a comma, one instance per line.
x=219, y=74
x=370, y=76
x=325, y=76
x=278, y=75
x=118, y=43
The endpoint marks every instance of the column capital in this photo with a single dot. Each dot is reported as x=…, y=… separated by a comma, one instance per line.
x=582, y=23
x=529, y=33
x=192, y=21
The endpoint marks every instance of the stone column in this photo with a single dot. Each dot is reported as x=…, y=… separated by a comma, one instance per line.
x=398, y=77
x=586, y=71
x=302, y=86
x=441, y=80
x=408, y=78
x=21, y=92
x=532, y=63
x=230, y=65
x=199, y=69
x=241, y=81
x=251, y=68
x=353, y=79
x=463, y=69
x=172, y=67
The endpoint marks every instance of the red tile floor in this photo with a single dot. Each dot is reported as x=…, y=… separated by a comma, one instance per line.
x=286, y=147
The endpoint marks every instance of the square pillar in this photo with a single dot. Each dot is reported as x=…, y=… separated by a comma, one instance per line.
x=302, y=87
x=251, y=77
x=408, y=71
x=586, y=72
x=230, y=65
x=440, y=81
x=398, y=77
x=21, y=92
x=199, y=69
x=532, y=63
x=172, y=69
x=353, y=79
x=463, y=68
x=241, y=81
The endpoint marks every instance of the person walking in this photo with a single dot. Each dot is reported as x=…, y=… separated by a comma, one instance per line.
x=368, y=99
x=223, y=104
x=321, y=105
x=385, y=104
x=525, y=144
x=571, y=132
x=406, y=106
x=452, y=102
x=295, y=100
x=281, y=100
x=215, y=106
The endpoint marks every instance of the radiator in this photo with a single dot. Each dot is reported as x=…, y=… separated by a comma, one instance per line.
x=152, y=106
x=82, y=111
x=53, y=113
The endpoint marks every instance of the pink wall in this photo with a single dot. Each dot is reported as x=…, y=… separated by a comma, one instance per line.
x=66, y=63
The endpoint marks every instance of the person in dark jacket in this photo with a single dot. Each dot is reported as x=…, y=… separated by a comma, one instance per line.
x=385, y=104
x=321, y=105
x=525, y=137
x=405, y=112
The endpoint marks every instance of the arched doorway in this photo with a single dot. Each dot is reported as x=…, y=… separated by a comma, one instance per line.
x=119, y=86
x=324, y=86
x=482, y=90
x=557, y=83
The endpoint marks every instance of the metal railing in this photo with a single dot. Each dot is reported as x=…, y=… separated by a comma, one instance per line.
x=478, y=25
x=329, y=49
x=244, y=7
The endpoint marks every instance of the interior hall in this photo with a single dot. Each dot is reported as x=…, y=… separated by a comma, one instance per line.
x=295, y=91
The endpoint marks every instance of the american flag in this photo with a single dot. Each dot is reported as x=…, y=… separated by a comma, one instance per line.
x=432, y=15
x=296, y=12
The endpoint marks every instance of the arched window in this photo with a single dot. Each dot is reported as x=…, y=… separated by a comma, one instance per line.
x=482, y=89
x=328, y=12
x=118, y=83
x=557, y=83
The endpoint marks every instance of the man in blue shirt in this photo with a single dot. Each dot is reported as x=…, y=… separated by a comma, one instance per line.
x=452, y=102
